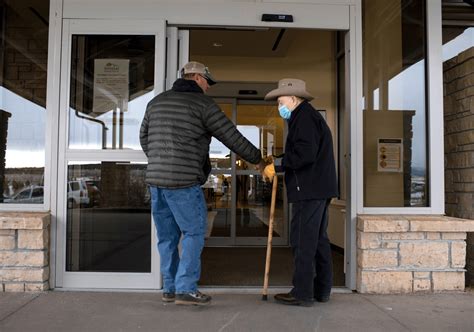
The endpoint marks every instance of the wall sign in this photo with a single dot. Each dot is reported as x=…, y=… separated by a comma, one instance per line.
x=111, y=80
x=390, y=155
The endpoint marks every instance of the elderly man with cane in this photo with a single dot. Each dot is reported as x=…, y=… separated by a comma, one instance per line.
x=310, y=178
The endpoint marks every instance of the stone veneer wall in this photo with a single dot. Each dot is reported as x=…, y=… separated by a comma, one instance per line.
x=459, y=143
x=24, y=251
x=405, y=254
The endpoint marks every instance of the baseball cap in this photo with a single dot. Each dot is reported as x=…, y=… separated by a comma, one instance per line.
x=194, y=67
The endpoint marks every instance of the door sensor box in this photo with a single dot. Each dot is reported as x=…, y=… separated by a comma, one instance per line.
x=277, y=18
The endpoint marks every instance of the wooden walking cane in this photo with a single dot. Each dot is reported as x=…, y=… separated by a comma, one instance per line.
x=270, y=237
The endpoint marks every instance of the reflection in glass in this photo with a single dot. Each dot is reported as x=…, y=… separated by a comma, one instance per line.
x=218, y=191
x=262, y=125
x=23, y=54
x=395, y=104
x=218, y=152
x=253, y=207
x=108, y=218
x=112, y=80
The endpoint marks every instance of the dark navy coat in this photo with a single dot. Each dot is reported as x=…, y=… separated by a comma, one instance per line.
x=308, y=162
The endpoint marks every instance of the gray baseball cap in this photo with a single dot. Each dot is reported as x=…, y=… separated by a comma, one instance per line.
x=194, y=67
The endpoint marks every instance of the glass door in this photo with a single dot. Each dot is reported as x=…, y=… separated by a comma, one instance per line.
x=110, y=71
x=238, y=200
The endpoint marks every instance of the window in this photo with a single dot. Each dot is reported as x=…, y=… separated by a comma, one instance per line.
x=23, y=63
x=395, y=132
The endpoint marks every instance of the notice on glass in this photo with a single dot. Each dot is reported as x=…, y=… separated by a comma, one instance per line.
x=111, y=81
x=390, y=155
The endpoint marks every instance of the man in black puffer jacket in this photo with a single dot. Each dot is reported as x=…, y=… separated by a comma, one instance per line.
x=175, y=135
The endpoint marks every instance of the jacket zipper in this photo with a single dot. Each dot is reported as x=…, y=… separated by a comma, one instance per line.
x=297, y=184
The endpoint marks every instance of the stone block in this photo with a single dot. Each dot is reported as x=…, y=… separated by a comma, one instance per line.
x=448, y=281
x=33, y=239
x=7, y=232
x=458, y=254
x=404, y=236
x=24, y=275
x=368, y=240
x=377, y=258
x=422, y=275
x=421, y=285
x=390, y=245
x=453, y=236
x=433, y=236
x=393, y=282
x=24, y=220
x=14, y=287
x=23, y=258
x=7, y=243
x=37, y=287
x=441, y=224
x=382, y=223
x=424, y=255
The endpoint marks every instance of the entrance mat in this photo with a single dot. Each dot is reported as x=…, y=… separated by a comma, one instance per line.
x=245, y=267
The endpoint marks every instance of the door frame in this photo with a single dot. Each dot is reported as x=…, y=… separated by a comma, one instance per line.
x=101, y=280
x=345, y=16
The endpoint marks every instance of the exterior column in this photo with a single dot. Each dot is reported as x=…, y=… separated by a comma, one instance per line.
x=24, y=251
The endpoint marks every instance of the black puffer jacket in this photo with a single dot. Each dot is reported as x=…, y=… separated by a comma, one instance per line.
x=176, y=132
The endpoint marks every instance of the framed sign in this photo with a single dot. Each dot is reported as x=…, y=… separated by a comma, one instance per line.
x=390, y=155
x=111, y=79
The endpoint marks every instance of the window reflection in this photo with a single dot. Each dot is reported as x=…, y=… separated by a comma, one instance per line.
x=24, y=54
x=112, y=81
x=108, y=218
x=219, y=154
x=394, y=104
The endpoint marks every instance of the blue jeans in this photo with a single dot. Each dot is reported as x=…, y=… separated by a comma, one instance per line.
x=179, y=212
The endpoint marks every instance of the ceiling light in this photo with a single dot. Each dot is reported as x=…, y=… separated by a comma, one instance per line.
x=217, y=44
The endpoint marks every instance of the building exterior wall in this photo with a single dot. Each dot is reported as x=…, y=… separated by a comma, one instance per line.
x=395, y=254
x=459, y=143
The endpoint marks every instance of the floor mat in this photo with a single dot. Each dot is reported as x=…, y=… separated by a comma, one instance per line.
x=246, y=266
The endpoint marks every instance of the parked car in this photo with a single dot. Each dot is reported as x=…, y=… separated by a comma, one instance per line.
x=77, y=194
x=28, y=195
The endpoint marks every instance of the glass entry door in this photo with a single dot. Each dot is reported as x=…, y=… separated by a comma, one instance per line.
x=110, y=71
x=238, y=200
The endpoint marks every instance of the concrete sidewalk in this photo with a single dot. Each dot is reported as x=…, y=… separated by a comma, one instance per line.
x=238, y=311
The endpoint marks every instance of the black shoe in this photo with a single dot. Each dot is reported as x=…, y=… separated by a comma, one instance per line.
x=289, y=299
x=194, y=298
x=167, y=297
x=322, y=298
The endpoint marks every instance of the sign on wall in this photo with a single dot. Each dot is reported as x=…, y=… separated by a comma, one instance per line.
x=390, y=155
x=111, y=81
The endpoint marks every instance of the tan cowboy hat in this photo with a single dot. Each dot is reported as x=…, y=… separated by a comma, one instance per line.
x=289, y=87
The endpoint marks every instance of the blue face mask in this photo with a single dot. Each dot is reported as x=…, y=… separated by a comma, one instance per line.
x=285, y=112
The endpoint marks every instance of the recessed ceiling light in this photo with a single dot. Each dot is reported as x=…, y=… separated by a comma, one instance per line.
x=217, y=44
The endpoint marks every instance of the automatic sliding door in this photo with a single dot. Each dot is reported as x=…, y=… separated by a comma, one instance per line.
x=261, y=124
x=218, y=190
